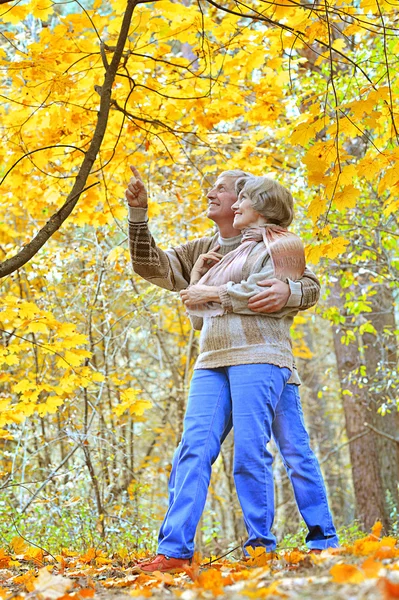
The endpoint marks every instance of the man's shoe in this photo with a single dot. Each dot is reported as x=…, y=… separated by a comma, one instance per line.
x=165, y=564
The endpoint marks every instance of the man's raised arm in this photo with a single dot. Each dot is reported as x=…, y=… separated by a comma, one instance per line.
x=168, y=269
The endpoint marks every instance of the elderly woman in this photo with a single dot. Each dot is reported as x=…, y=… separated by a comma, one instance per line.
x=245, y=361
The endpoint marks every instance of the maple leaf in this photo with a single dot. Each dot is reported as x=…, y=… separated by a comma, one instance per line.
x=89, y=555
x=259, y=556
x=295, y=556
x=346, y=198
x=211, y=580
x=19, y=545
x=27, y=580
x=51, y=587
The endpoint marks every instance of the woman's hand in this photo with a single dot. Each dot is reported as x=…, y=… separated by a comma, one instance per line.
x=200, y=294
x=203, y=263
x=136, y=193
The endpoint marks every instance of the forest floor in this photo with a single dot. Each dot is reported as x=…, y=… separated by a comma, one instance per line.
x=368, y=569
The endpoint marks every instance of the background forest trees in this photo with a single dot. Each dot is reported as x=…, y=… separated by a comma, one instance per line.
x=95, y=362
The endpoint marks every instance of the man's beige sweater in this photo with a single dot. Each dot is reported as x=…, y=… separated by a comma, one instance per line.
x=240, y=336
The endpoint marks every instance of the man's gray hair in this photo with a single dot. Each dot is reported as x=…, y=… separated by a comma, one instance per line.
x=240, y=176
x=234, y=173
x=269, y=198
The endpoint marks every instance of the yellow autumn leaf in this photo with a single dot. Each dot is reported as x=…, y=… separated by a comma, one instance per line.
x=329, y=249
x=19, y=545
x=304, y=132
x=28, y=309
x=316, y=208
x=11, y=359
x=314, y=253
x=302, y=351
x=346, y=198
x=37, y=327
x=130, y=402
x=391, y=207
x=336, y=247
x=66, y=329
x=76, y=339
x=15, y=14
x=115, y=253
x=339, y=44
x=50, y=406
x=73, y=359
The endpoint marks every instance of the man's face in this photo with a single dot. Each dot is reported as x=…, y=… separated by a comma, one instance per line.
x=220, y=200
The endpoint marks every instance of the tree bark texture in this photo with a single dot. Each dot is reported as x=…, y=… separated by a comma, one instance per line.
x=373, y=458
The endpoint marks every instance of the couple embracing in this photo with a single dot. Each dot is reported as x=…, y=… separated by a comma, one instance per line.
x=242, y=288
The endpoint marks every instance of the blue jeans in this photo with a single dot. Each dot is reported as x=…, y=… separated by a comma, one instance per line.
x=250, y=398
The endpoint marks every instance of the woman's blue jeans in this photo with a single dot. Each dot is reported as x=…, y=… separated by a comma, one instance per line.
x=256, y=401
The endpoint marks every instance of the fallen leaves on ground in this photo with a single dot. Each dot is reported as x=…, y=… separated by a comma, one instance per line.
x=367, y=569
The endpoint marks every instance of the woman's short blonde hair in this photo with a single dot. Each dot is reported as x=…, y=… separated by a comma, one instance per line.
x=269, y=198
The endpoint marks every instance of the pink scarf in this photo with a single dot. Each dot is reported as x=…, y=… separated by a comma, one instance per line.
x=285, y=250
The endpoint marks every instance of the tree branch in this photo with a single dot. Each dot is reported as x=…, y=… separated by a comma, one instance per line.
x=382, y=433
x=54, y=223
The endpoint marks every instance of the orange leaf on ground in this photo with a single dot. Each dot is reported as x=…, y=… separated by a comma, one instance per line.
x=390, y=589
x=347, y=574
x=26, y=580
x=372, y=567
x=85, y=593
x=88, y=557
x=294, y=557
x=211, y=580
x=4, y=559
x=387, y=548
x=259, y=557
x=192, y=570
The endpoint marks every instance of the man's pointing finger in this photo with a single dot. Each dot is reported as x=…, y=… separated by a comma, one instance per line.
x=135, y=172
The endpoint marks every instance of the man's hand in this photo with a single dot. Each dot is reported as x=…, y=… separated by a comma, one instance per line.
x=200, y=294
x=274, y=298
x=136, y=193
x=204, y=262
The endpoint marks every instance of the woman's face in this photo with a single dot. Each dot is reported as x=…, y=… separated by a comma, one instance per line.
x=244, y=213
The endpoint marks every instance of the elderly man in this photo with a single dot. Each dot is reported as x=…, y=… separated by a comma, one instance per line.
x=171, y=270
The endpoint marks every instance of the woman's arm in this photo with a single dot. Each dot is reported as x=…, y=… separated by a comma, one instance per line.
x=234, y=297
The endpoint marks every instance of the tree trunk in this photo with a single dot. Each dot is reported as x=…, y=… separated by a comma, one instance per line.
x=371, y=471
x=381, y=361
x=322, y=427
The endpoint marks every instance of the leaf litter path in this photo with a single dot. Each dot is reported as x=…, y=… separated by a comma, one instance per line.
x=366, y=570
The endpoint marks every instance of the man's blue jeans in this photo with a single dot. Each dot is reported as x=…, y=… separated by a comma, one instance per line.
x=257, y=402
